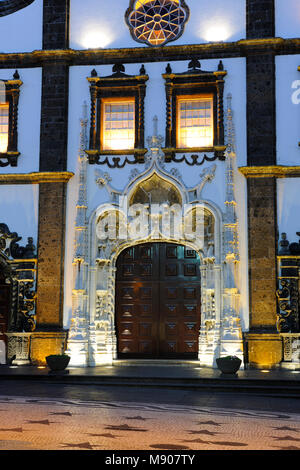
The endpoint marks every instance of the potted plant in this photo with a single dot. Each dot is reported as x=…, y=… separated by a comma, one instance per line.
x=58, y=362
x=229, y=364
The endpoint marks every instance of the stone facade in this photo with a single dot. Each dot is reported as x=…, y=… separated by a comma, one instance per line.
x=221, y=322
x=51, y=255
x=52, y=196
x=262, y=236
x=260, y=19
x=262, y=251
x=56, y=24
x=54, y=119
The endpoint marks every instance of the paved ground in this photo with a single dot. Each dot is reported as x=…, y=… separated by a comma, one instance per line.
x=35, y=416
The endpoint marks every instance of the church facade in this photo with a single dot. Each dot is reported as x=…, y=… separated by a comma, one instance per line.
x=149, y=172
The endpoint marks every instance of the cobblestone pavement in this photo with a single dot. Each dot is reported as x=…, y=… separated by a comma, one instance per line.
x=40, y=423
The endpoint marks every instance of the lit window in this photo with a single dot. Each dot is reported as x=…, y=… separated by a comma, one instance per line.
x=117, y=115
x=195, y=114
x=195, y=121
x=118, y=124
x=4, y=112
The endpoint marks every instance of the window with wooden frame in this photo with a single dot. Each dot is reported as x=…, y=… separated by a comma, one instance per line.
x=4, y=126
x=9, y=101
x=195, y=123
x=118, y=123
x=117, y=114
x=194, y=111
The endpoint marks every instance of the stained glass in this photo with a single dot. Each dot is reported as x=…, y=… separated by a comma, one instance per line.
x=156, y=22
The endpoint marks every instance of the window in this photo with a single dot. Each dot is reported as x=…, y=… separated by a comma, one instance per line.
x=195, y=121
x=156, y=22
x=117, y=115
x=9, y=94
x=7, y=7
x=4, y=116
x=118, y=124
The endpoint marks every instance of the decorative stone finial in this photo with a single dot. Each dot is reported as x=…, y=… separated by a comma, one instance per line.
x=118, y=68
x=220, y=66
x=155, y=141
x=194, y=64
x=155, y=125
x=168, y=69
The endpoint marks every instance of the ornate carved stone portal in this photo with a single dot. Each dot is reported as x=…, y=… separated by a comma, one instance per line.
x=154, y=207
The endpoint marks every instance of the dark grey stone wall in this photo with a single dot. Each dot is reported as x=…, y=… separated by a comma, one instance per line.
x=54, y=118
x=260, y=19
x=53, y=157
x=56, y=18
x=261, y=151
x=261, y=109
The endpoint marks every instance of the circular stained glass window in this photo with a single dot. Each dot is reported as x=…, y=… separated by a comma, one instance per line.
x=7, y=7
x=156, y=22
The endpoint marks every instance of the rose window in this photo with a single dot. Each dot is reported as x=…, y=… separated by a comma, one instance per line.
x=10, y=6
x=156, y=22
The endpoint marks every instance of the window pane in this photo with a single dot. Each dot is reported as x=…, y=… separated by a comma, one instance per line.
x=195, y=123
x=118, y=125
x=4, y=109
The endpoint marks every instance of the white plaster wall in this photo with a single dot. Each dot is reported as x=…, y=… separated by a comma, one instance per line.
x=29, y=119
x=19, y=210
x=22, y=31
x=288, y=207
x=242, y=216
x=288, y=109
x=155, y=105
x=287, y=17
x=101, y=24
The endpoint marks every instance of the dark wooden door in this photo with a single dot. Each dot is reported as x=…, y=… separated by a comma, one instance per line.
x=4, y=309
x=158, y=301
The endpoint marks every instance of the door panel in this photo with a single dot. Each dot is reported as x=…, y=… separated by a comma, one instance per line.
x=158, y=301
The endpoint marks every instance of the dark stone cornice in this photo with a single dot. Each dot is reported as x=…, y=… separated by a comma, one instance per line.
x=242, y=48
x=273, y=171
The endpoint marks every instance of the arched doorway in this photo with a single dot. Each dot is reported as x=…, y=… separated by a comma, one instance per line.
x=158, y=304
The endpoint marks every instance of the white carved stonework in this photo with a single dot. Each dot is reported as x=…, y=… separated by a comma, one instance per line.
x=92, y=337
x=18, y=348
x=291, y=350
x=231, y=331
x=78, y=342
x=2, y=352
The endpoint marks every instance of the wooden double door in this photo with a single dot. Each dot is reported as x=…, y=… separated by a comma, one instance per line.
x=158, y=302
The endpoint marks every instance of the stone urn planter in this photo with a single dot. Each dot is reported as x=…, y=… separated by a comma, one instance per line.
x=229, y=364
x=57, y=362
